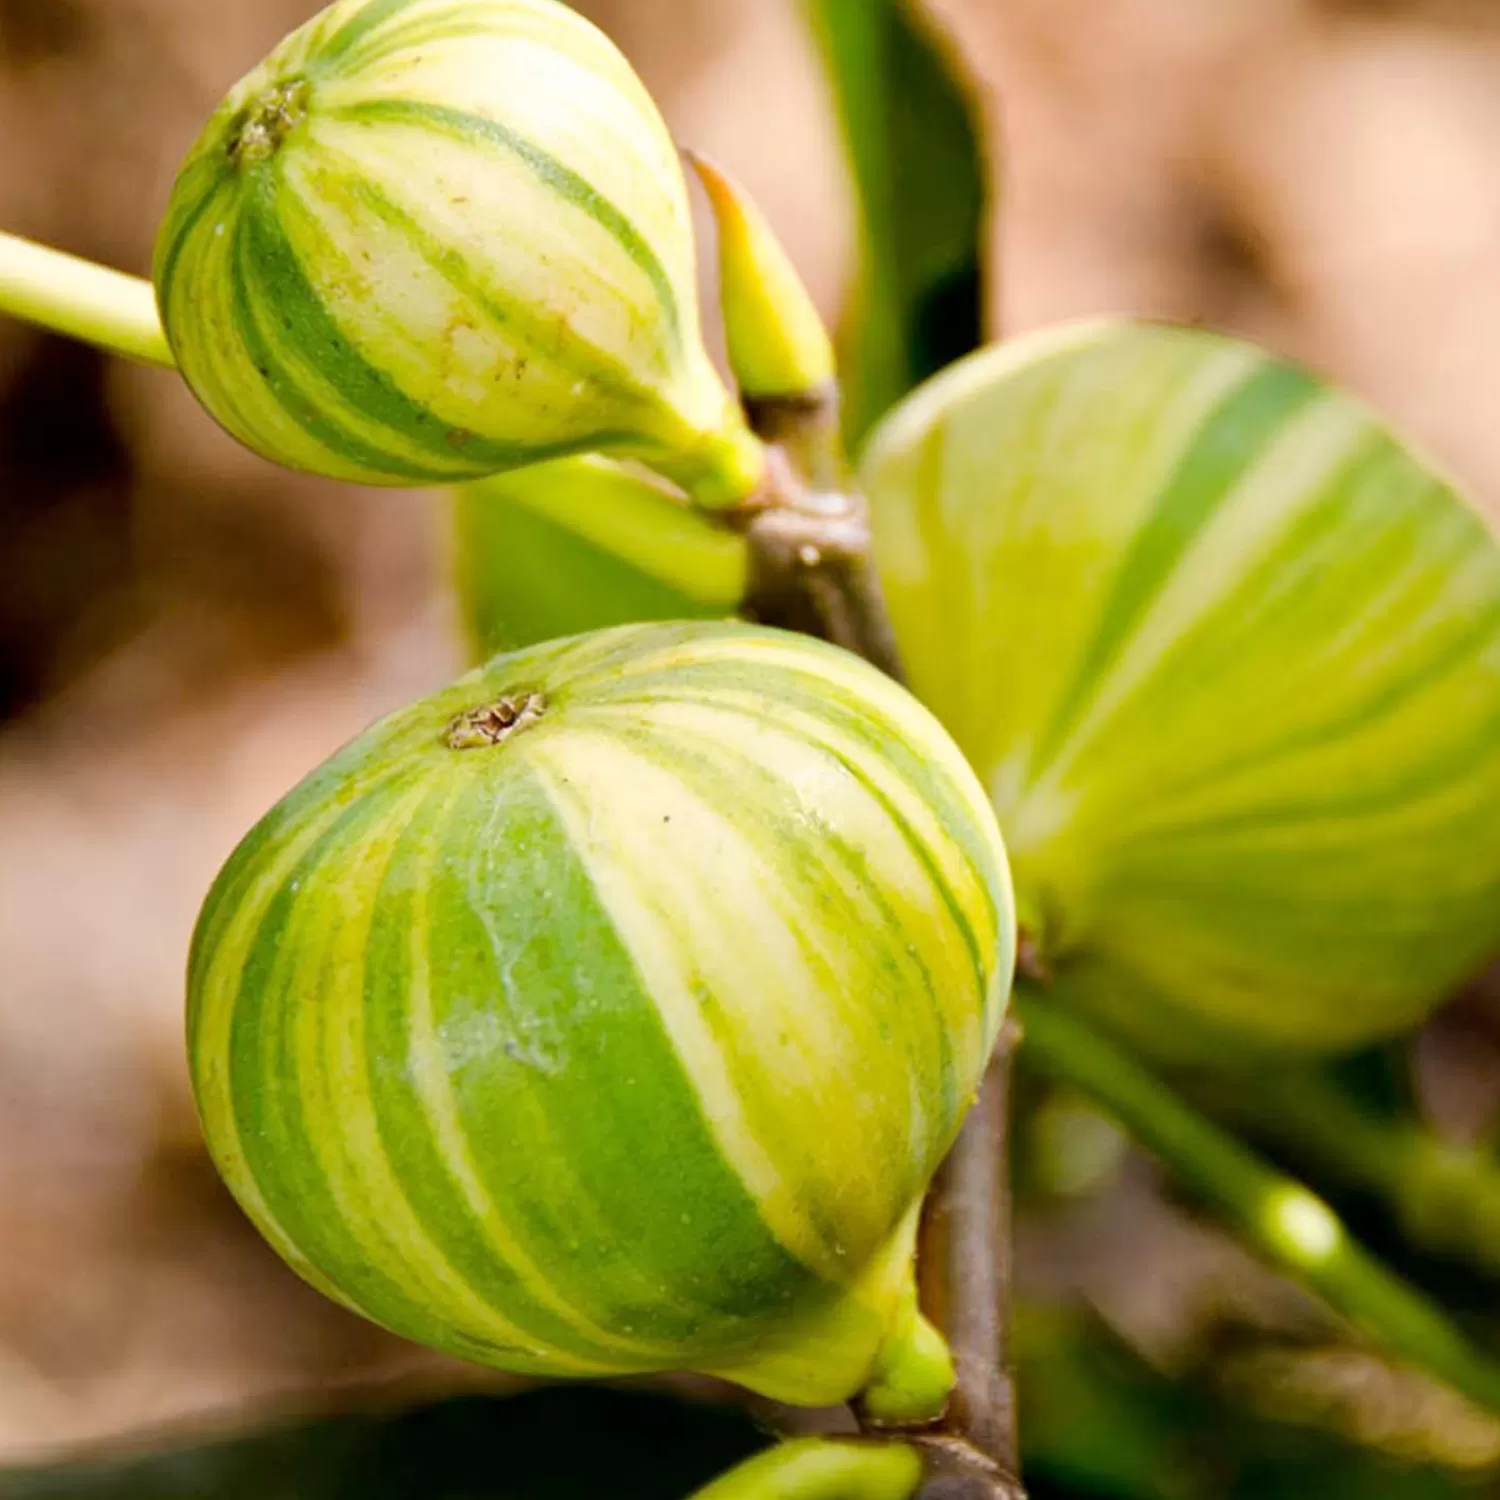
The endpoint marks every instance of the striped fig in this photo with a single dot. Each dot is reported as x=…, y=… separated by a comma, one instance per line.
x=1227, y=657
x=610, y=1011
x=434, y=239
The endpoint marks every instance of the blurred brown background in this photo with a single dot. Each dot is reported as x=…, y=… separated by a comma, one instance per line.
x=185, y=630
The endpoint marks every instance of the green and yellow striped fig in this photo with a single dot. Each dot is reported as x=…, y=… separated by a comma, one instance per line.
x=1227, y=657
x=610, y=1010
x=431, y=239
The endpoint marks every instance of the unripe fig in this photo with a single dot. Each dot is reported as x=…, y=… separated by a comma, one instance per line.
x=610, y=1011
x=1227, y=657
x=431, y=239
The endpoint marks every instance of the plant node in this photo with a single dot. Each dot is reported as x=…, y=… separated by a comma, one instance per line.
x=957, y=1470
x=810, y=564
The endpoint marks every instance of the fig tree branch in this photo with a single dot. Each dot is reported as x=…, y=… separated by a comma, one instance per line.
x=964, y=1266
x=812, y=566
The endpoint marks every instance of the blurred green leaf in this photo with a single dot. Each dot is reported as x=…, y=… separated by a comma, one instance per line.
x=559, y=1444
x=1094, y=1418
x=1097, y=1422
x=920, y=181
x=582, y=544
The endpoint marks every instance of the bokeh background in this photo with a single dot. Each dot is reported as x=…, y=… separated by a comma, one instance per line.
x=185, y=630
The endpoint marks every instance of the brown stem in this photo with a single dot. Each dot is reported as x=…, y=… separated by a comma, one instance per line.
x=964, y=1264
x=813, y=570
x=812, y=567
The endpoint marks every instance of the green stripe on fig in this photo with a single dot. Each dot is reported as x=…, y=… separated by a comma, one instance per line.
x=570, y=188
x=610, y=1011
x=348, y=34
x=1227, y=657
x=389, y=259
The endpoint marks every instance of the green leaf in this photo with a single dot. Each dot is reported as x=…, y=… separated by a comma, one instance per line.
x=1227, y=656
x=582, y=544
x=920, y=183
x=560, y=1444
x=1097, y=1422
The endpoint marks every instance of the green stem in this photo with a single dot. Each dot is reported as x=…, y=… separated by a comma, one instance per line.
x=821, y=1469
x=1445, y=1198
x=1292, y=1228
x=81, y=299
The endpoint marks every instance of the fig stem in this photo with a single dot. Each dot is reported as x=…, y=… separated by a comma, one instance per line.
x=812, y=569
x=1444, y=1197
x=1293, y=1230
x=82, y=300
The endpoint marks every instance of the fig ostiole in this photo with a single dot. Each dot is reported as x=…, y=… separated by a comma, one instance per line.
x=429, y=240
x=611, y=1010
x=1226, y=655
